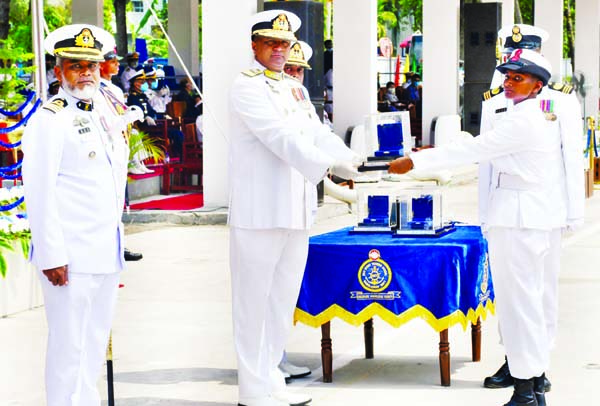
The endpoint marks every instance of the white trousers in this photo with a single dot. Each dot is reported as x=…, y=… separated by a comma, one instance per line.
x=518, y=259
x=266, y=272
x=79, y=319
x=551, y=273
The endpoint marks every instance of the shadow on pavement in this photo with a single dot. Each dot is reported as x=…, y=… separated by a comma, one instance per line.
x=162, y=402
x=175, y=376
x=385, y=371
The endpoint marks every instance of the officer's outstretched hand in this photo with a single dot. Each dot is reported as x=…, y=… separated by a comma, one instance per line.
x=58, y=276
x=345, y=169
x=401, y=165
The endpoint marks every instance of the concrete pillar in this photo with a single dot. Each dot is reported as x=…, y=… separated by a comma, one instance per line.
x=183, y=30
x=355, y=63
x=88, y=12
x=548, y=14
x=226, y=52
x=440, y=60
x=508, y=11
x=587, y=51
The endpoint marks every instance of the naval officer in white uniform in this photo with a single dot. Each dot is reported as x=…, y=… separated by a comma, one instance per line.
x=279, y=152
x=74, y=174
x=558, y=101
x=526, y=160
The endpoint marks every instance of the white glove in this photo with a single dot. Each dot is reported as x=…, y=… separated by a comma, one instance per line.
x=133, y=113
x=574, y=225
x=344, y=169
x=150, y=121
x=164, y=91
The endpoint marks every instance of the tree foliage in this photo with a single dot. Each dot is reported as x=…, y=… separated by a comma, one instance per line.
x=56, y=15
x=12, y=61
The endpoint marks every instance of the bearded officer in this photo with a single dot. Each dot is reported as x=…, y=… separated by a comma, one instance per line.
x=74, y=174
x=526, y=159
x=560, y=104
x=279, y=152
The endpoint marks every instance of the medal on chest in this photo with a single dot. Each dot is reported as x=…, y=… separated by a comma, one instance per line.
x=547, y=107
x=82, y=122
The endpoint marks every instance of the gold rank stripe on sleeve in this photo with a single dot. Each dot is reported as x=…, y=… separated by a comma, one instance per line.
x=55, y=105
x=561, y=87
x=491, y=93
x=252, y=72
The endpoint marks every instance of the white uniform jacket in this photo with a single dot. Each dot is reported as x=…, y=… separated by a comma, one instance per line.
x=74, y=175
x=524, y=157
x=114, y=89
x=279, y=151
x=568, y=124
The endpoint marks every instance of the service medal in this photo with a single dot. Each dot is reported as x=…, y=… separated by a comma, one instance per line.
x=547, y=107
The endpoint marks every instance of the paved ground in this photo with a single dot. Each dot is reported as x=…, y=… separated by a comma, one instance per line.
x=173, y=341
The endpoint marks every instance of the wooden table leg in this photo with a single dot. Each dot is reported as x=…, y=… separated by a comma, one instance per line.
x=476, y=340
x=444, y=358
x=369, y=339
x=326, y=353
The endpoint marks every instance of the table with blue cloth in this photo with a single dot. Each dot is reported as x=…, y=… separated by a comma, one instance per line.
x=443, y=280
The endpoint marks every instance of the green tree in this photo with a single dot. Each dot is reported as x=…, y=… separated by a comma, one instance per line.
x=11, y=60
x=56, y=15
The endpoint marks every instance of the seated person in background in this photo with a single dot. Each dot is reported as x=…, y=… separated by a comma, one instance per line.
x=132, y=68
x=412, y=94
x=191, y=98
x=158, y=93
x=137, y=97
x=389, y=101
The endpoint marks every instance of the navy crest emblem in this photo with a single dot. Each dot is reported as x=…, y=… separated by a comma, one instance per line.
x=374, y=275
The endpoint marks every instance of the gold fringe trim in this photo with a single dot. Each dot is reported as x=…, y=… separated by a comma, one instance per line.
x=417, y=311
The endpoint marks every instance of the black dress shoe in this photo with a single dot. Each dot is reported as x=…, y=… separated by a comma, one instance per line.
x=523, y=394
x=539, y=384
x=501, y=379
x=547, y=384
x=132, y=256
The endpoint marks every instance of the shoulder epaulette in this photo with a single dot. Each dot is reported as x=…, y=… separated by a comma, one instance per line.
x=55, y=105
x=561, y=87
x=252, y=72
x=491, y=93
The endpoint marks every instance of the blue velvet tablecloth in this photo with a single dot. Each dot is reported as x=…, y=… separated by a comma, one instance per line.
x=443, y=280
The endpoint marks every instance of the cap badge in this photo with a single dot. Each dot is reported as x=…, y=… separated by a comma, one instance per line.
x=84, y=39
x=281, y=23
x=517, y=36
x=296, y=52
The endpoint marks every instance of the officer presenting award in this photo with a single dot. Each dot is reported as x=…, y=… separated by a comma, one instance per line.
x=388, y=137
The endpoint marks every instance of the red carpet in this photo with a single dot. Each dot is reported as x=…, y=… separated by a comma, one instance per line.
x=182, y=202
